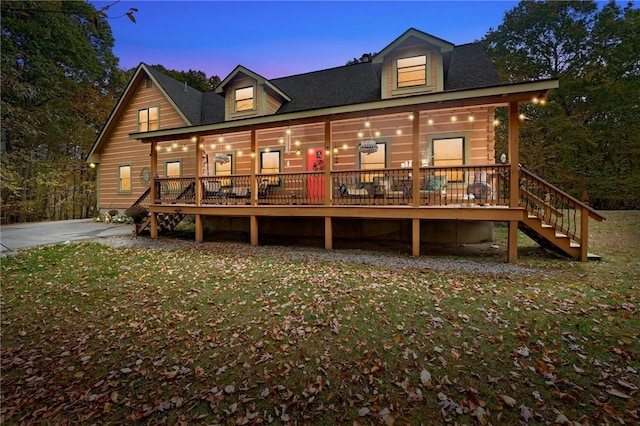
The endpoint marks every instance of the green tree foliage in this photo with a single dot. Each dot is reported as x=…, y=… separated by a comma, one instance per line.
x=60, y=80
x=196, y=79
x=586, y=137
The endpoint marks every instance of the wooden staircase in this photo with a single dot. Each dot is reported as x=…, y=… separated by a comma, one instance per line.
x=167, y=222
x=554, y=219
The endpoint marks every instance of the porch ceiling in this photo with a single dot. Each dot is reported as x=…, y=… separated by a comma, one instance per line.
x=488, y=96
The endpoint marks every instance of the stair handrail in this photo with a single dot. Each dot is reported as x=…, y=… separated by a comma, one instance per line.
x=592, y=213
x=186, y=191
x=142, y=200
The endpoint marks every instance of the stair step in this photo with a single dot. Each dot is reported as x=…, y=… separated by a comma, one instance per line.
x=573, y=244
x=591, y=256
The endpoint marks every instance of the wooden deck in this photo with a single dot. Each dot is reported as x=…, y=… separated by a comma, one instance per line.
x=461, y=193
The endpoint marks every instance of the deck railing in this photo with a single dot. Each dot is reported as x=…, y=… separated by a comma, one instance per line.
x=556, y=208
x=437, y=186
x=175, y=190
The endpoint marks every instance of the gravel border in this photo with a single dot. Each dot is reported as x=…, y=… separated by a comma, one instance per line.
x=388, y=259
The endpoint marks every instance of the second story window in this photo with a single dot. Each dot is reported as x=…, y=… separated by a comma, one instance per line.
x=148, y=119
x=412, y=71
x=244, y=99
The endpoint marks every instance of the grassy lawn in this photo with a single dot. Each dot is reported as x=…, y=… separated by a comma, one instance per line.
x=229, y=334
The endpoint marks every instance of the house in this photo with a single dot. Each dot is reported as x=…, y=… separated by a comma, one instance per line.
x=400, y=147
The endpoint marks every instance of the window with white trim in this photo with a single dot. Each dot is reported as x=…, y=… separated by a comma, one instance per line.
x=124, y=178
x=270, y=162
x=449, y=152
x=411, y=71
x=223, y=169
x=148, y=119
x=173, y=168
x=245, y=99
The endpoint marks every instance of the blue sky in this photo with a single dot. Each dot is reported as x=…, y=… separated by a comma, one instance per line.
x=276, y=39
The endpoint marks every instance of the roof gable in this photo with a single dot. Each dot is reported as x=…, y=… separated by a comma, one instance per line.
x=255, y=76
x=186, y=100
x=444, y=45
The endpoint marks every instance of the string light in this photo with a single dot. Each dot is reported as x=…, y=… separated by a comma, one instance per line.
x=411, y=117
x=430, y=121
x=398, y=131
x=471, y=118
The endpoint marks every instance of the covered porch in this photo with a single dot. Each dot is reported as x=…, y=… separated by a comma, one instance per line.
x=429, y=157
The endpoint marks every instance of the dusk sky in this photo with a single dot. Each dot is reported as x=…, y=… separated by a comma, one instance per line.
x=276, y=39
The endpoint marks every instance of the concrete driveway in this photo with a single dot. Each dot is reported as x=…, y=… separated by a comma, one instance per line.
x=23, y=235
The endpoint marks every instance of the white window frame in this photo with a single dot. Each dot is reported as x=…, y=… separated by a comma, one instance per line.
x=145, y=126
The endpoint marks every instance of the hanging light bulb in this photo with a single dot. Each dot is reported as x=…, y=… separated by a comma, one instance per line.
x=430, y=121
x=367, y=124
x=221, y=138
x=398, y=131
x=471, y=118
x=411, y=116
x=377, y=133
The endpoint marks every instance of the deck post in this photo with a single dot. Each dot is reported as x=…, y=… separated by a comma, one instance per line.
x=254, y=167
x=514, y=179
x=415, y=237
x=199, y=229
x=328, y=164
x=512, y=242
x=584, y=235
x=514, y=157
x=416, y=163
x=253, y=225
x=153, y=231
x=328, y=233
x=199, y=172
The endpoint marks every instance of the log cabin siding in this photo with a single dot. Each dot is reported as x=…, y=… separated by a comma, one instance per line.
x=272, y=104
x=120, y=150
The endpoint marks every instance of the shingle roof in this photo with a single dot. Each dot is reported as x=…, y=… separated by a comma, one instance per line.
x=345, y=85
x=467, y=66
x=186, y=98
x=470, y=67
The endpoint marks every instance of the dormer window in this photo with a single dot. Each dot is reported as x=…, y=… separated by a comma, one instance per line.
x=412, y=71
x=245, y=99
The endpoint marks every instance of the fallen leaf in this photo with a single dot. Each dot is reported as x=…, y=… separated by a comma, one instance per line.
x=509, y=401
x=616, y=392
x=425, y=378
